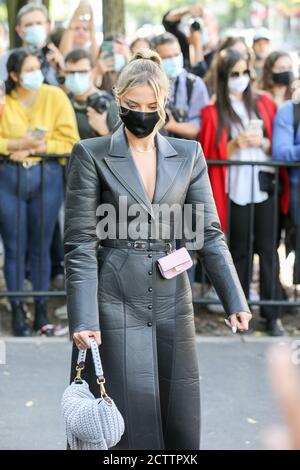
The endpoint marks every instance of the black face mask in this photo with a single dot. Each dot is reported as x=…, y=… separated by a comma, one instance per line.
x=138, y=123
x=283, y=78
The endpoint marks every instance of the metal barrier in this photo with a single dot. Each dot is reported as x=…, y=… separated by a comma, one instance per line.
x=20, y=292
x=201, y=300
x=273, y=302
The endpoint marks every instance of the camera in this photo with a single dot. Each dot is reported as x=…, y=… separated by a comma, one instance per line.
x=98, y=102
x=196, y=24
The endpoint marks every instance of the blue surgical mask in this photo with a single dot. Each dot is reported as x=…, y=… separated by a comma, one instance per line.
x=173, y=66
x=35, y=35
x=78, y=83
x=32, y=80
x=120, y=62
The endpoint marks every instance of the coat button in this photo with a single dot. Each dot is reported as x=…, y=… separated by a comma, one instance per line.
x=150, y=273
x=150, y=307
x=150, y=255
x=149, y=323
x=150, y=289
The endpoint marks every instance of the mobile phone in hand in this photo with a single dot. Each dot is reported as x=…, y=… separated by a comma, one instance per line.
x=39, y=132
x=255, y=126
x=107, y=48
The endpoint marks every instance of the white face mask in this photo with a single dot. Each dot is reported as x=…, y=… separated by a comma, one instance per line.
x=239, y=84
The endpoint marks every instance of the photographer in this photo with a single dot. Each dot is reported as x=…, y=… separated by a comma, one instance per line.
x=188, y=92
x=197, y=31
x=96, y=111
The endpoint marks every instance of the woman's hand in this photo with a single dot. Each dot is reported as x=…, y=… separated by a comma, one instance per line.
x=82, y=338
x=29, y=142
x=105, y=64
x=242, y=141
x=239, y=321
x=55, y=57
x=256, y=139
x=19, y=155
x=81, y=10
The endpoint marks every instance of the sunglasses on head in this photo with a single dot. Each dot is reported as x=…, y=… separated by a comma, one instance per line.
x=238, y=74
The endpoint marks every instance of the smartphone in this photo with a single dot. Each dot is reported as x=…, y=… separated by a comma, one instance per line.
x=107, y=48
x=255, y=126
x=39, y=132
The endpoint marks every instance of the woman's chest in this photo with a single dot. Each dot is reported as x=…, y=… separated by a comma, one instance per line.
x=146, y=167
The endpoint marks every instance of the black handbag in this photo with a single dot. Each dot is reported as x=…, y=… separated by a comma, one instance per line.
x=267, y=182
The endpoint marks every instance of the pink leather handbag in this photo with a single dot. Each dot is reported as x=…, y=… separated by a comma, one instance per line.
x=175, y=263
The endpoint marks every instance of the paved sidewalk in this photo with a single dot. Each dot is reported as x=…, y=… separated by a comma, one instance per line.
x=236, y=402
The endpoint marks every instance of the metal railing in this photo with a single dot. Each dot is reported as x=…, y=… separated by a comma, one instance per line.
x=25, y=293
x=273, y=302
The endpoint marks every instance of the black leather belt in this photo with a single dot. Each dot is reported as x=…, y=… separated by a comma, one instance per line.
x=141, y=245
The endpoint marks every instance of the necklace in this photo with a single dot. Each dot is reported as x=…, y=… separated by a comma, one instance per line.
x=142, y=151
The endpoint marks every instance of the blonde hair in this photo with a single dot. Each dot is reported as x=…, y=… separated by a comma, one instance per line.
x=145, y=68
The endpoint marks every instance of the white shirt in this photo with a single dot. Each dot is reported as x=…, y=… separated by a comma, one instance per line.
x=239, y=178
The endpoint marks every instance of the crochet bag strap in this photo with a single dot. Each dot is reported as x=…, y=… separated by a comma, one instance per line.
x=97, y=364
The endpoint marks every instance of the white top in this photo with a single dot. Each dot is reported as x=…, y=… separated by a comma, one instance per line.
x=239, y=177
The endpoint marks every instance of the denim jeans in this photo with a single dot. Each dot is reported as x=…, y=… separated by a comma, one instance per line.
x=38, y=215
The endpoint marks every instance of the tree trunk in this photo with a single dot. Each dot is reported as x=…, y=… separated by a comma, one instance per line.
x=13, y=6
x=113, y=17
x=46, y=3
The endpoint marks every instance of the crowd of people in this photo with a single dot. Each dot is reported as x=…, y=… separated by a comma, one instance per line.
x=235, y=99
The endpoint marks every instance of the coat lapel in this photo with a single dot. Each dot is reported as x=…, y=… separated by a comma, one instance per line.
x=123, y=167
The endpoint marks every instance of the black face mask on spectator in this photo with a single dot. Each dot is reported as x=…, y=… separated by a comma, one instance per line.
x=283, y=78
x=138, y=123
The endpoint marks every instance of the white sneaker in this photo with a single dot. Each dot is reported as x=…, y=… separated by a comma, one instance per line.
x=61, y=312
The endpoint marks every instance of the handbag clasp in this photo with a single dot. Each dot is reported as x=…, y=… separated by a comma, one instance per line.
x=79, y=369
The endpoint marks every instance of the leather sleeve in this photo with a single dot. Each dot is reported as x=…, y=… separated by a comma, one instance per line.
x=214, y=254
x=81, y=242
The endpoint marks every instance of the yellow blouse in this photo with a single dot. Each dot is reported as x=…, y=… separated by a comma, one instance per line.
x=52, y=110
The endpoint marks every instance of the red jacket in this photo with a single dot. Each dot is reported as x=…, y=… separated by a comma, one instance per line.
x=212, y=151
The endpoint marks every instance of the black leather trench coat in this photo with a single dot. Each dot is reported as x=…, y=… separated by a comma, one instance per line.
x=147, y=322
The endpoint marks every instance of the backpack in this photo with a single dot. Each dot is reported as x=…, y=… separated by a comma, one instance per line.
x=296, y=113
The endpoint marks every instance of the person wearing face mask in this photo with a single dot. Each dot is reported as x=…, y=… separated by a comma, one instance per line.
x=188, y=92
x=226, y=134
x=96, y=110
x=37, y=118
x=278, y=76
x=115, y=291
x=197, y=31
x=33, y=26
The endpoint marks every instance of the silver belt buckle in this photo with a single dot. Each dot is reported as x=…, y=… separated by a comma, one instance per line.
x=170, y=248
x=140, y=245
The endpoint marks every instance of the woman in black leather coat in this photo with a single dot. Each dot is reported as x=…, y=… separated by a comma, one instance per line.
x=147, y=339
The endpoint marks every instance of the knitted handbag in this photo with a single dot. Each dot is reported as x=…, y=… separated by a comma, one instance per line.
x=91, y=423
